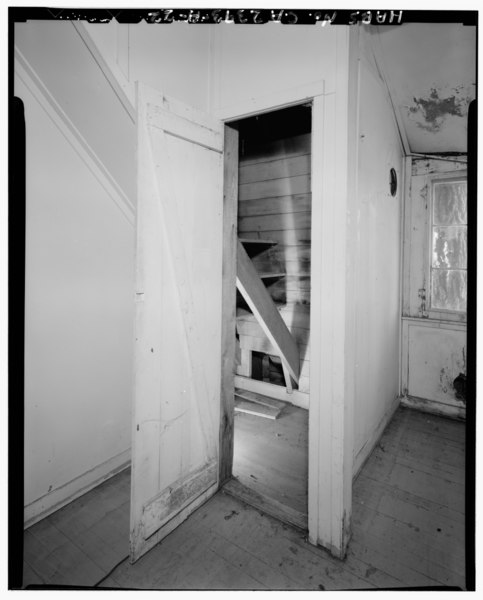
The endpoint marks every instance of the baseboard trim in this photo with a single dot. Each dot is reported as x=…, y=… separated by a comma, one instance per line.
x=370, y=444
x=278, y=392
x=434, y=408
x=64, y=494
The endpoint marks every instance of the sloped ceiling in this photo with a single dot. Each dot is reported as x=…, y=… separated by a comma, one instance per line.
x=430, y=69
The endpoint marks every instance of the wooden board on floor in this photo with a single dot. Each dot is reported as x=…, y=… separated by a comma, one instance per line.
x=299, y=399
x=259, y=410
x=259, y=398
x=271, y=456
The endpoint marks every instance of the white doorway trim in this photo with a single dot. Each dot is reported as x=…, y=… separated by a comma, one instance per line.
x=331, y=385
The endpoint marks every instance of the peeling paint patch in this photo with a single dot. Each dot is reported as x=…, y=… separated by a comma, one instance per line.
x=434, y=109
x=445, y=381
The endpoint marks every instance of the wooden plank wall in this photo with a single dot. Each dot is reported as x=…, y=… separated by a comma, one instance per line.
x=275, y=204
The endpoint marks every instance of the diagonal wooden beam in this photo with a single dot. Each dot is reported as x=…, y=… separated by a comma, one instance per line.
x=261, y=304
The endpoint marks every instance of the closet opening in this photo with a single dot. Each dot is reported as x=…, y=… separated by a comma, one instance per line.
x=270, y=464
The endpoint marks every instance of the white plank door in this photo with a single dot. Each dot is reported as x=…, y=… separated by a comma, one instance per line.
x=176, y=413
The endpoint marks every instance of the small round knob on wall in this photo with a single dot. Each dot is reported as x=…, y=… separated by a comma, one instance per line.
x=393, y=182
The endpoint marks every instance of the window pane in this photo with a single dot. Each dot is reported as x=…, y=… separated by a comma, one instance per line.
x=450, y=247
x=449, y=204
x=448, y=290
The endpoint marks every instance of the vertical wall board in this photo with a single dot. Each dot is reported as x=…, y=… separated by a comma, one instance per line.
x=417, y=246
x=228, y=339
x=330, y=422
x=377, y=237
x=403, y=279
x=407, y=219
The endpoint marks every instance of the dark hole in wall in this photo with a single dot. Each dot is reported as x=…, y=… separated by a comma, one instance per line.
x=276, y=125
x=268, y=368
x=459, y=385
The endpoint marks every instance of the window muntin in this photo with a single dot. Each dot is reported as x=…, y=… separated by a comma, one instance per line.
x=449, y=245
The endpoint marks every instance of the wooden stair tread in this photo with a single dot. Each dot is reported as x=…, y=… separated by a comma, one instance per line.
x=259, y=410
x=261, y=304
x=252, y=286
x=259, y=399
x=265, y=276
x=244, y=312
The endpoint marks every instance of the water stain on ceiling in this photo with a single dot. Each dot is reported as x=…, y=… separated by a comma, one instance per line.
x=431, y=73
x=432, y=111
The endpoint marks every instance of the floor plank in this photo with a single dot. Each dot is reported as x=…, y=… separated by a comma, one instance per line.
x=409, y=508
x=110, y=583
x=425, y=485
x=30, y=577
x=60, y=562
x=271, y=457
x=384, y=533
x=277, y=545
x=408, y=523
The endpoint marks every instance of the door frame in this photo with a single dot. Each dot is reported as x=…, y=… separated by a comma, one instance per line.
x=330, y=451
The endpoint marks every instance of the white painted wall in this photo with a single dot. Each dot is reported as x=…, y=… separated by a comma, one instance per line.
x=60, y=58
x=80, y=246
x=220, y=68
x=79, y=279
x=377, y=230
x=253, y=64
x=172, y=58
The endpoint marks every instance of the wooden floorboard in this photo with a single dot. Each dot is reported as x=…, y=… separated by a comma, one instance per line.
x=408, y=527
x=408, y=508
x=30, y=577
x=58, y=561
x=271, y=457
x=385, y=533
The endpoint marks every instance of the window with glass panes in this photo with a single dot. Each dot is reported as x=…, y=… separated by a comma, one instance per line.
x=449, y=245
